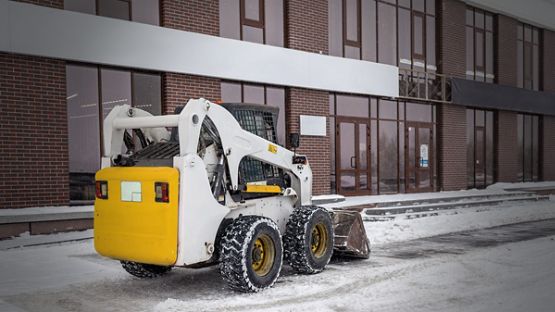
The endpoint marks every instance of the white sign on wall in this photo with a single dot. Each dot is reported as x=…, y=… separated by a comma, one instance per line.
x=313, y=125
x=423, y=155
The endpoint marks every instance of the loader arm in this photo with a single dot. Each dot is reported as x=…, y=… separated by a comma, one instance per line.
x=236, y=142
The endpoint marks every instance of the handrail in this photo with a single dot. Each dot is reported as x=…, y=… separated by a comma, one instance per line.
x=420, y=85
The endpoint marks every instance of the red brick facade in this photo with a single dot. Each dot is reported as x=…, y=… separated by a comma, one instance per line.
x=507, y=156
x=315, y=103
x=307, y=32
x=179, y=88
x=451, y=126
x=548, y=156
x=200, y=16
x=452, y=147
x=506, y=60
x=33, y=132
x=451, y=39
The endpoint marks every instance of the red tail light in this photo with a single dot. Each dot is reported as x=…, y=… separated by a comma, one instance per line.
x=101, y=189
x=162, y=191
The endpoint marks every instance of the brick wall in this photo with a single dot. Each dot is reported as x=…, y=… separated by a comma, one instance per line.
x=452, y=147
x=200, y=16
x=307, y=30
x=33, y=132
x=451, y=38
x=548, y=159
x=179, y=88
x=506, y=60
x=311, y=102
x=507, y=156
x=307, y=25
x=548, y=60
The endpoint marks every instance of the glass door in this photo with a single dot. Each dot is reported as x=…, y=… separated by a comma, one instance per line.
x=419, y=157
x=353, y=156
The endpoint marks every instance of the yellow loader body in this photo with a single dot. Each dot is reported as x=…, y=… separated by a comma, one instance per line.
x=130, y=224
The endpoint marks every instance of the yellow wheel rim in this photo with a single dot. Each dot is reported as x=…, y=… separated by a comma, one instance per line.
x=263, y=255
x=319, y=240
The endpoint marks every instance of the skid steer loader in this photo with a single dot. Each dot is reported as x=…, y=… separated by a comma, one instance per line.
x=209, y=185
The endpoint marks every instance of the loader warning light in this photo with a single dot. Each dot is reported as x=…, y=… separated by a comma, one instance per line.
x=101, y=189
x=161, y=189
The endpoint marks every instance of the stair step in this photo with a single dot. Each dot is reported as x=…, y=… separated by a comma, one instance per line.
x=427, y=201
x=448, y=205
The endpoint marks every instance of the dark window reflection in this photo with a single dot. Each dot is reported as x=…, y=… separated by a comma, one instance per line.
x=83, y=6
x=114, y=8
x=528, y=144
x=147, y=92
x=480, y=148
x=84, y=87
x=259, y=21
x=142, y=11
x=400, y=33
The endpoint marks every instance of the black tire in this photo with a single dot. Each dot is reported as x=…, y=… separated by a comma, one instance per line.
x=304, y=232
x=244, y=264
x=142, y=270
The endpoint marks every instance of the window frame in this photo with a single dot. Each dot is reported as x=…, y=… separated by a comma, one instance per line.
x=348, y=42
x=480, y=72
x=532, y=45
x=244, y=21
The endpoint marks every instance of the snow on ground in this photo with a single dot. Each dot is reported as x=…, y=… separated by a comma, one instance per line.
x=37, y=268
x=514, y=277
x=511, y=277
x=522, y=185
x=26, y=239
x=44, y=210
x=456, y=220
x=372, y=199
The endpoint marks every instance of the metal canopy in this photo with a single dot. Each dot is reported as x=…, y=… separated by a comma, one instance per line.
x=493, y=96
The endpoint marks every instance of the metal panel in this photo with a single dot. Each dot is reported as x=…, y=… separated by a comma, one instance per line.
x=491, y=96
x=42, y=31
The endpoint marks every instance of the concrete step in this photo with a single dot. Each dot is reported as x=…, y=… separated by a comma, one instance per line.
x=46, y=220
x=430, y=208
x=462, y=197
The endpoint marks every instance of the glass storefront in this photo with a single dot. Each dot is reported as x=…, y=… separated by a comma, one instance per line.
x=479, y=148
x=381, y=146
x=92, y=91
x=142, y=11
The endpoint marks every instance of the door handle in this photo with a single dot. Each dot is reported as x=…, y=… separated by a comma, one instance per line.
x=353, y=162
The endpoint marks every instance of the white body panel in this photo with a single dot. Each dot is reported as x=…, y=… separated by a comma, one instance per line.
x=199, y=213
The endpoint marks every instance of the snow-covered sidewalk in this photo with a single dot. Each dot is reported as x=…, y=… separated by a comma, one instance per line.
x=456, y=220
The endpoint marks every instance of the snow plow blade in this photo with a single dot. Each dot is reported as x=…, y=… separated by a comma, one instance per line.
x=350, y=236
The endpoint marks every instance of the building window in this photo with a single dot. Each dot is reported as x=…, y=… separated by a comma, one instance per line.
x=528, y=127
x=479, y=148
x=529, y=41
x=479, y=45
x=398, y=33
x=234, y=92
x=381, y=146
x=260, y=21
x=141, y=11
x=86, y=87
